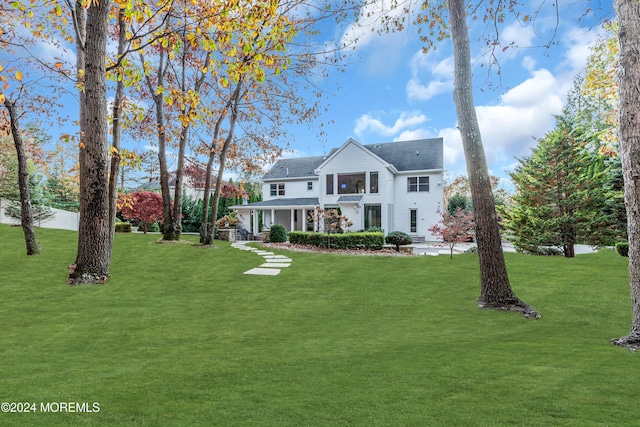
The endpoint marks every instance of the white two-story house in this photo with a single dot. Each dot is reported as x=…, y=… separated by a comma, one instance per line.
x=396, y=186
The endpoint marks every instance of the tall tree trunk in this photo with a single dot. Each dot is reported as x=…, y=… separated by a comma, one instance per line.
x=204, y=217
x=495, y=290
x=168, y=221
x=26, y=213
x=223, y=157
x=116, y=130
x=628, y=15
x=176, y=223
x=94, y=250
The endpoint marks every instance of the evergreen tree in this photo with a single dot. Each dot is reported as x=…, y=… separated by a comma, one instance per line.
x=459, y=201
x=562, y=194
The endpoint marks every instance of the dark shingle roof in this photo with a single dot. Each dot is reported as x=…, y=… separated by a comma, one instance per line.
x=420, y=154
x=298, y=168
x=302, y=201
x=349, y=199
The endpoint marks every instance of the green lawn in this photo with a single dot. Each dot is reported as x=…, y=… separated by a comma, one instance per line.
x=179, y=336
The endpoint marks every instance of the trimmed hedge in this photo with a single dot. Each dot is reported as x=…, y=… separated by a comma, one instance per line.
x=360, y=240
x=277, y=234
x=123, y=227
x=622, y=248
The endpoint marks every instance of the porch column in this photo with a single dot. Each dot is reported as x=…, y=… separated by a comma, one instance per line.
x=255, y=222
x=293, y=224
x=273, y=216
x=304, y=219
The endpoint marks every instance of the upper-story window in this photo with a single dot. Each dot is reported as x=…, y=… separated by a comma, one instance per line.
x=330, y=184
x=373, y=182
x=277, y=189
x=417, y=184
x=309, y=185
x=351, y=183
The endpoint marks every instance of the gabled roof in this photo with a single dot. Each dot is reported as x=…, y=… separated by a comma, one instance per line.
x=336, y=152
x=294, y=168
x=420, y=154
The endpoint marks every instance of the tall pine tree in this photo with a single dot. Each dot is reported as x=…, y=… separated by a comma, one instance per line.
x=562, y=194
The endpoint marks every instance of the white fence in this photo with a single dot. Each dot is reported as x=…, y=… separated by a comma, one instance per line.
x=63, y=219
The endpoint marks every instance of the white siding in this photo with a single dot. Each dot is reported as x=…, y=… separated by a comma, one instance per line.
x=293, y=188
x=428, y=204
x=354, y=159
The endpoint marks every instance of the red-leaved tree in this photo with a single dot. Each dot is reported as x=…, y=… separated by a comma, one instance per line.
x=144, y=206
x=454, y=228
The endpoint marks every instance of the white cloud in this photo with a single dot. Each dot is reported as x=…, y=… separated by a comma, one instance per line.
x=439, y=74
x=417, y=91
x=580, y=41
x=368, y=123
x=517, y=35
x=529, y=63
x=410, y=135
x=528, y=91
x=508, y=129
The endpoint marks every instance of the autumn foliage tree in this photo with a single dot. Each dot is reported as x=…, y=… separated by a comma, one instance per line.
x=330, y=221
x=143, y=206
x=454, y=228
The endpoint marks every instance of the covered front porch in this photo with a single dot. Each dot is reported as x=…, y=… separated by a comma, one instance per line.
x=293, y=214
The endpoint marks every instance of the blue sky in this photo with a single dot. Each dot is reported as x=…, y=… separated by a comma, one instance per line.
x=392, y=91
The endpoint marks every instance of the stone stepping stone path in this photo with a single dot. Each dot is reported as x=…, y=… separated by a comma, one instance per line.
x=272, y=263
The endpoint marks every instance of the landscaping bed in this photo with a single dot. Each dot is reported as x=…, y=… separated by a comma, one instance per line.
x=387, y=250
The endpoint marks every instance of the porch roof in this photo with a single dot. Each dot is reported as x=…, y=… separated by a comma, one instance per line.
x=301, y=202
x=343, y=199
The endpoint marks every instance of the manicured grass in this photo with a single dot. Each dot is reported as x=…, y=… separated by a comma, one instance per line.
x=179, y=336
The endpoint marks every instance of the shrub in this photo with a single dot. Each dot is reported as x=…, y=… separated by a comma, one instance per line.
x=538, y=250
x=398, y=238
x=359, y=240
x=622, y=248
x=374, y=230
x=123, y=227
x=308, y=238
x=153, y=228
x=277, y=234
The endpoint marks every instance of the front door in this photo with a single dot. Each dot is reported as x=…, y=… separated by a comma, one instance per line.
x=413, y=220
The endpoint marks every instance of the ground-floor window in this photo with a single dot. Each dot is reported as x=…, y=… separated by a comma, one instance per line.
x=413, y=220
x=372, y=216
